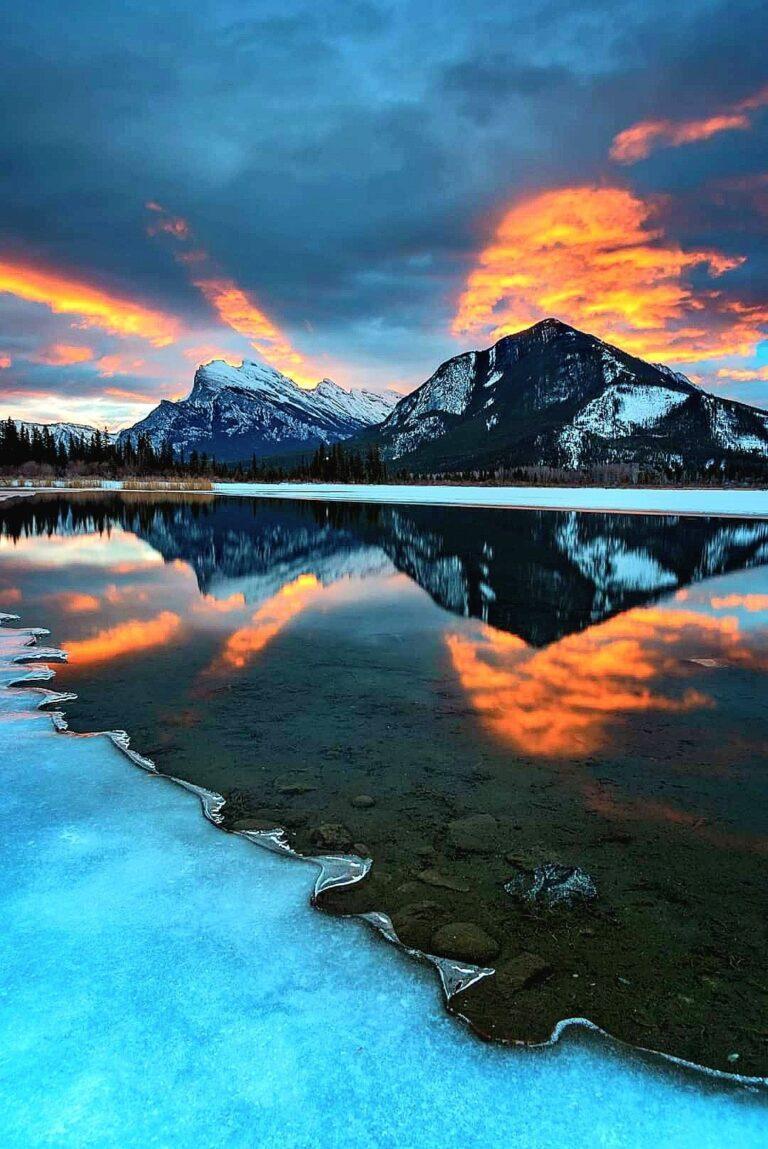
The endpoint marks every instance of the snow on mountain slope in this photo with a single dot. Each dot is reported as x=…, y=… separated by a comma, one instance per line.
x=613, y=567
x=557, y=397
x=64, y=432
x=233, y=412
x=621, y=410
x=420, y=414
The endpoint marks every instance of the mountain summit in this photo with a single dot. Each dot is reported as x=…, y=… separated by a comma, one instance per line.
x=234, y=412
x=554, y=396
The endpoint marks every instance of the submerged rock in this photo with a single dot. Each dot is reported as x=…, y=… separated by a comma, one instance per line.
x=553, y=885
x=294, y=789
x=256, y=824
x=362, y=801
x=332, y=836
x=415, y=923
x=464, y=941
x=522, y=972
x=433, y=877
x=473, y=834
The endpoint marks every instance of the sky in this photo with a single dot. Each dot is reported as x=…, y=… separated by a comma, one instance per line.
x=359, y=189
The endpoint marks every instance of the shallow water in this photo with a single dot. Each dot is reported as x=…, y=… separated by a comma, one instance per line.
x=591, y=687
x=165, y=983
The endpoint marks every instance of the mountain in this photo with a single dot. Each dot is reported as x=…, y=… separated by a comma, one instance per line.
x=557, y=397
x=235, y=412
x=63, y=432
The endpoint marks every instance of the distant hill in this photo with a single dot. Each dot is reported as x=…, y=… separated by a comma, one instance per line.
x=63, y=432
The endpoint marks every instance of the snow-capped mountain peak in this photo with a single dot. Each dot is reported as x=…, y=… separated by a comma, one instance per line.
x=554, y=396
x=234, y=412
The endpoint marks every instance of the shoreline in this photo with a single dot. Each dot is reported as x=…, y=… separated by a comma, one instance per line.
x=334, y=871
x=689, y=501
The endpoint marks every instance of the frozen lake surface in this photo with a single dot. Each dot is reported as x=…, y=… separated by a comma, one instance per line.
x=667, y=501
x=706, y=501
x=165, y=983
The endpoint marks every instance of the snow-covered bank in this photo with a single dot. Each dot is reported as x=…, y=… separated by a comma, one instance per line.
x=738, y=503
x=165, y=983
x=662, y=501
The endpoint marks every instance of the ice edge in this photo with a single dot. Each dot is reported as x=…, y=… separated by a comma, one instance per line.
x=335, y=870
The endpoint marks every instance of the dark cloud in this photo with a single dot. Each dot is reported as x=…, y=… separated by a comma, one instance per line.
x=344, y=161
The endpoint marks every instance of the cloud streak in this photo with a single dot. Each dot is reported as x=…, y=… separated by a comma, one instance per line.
x=91, y=306
x=231, y=303
x=638, y=141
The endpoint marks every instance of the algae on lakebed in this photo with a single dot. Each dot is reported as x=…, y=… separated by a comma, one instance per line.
x=467, y=697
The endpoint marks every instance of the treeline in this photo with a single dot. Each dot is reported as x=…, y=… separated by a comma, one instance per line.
x=334, y=463
x=36, y=453
x=729, y=471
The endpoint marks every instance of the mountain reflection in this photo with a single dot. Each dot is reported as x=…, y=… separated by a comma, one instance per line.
x=537, y=575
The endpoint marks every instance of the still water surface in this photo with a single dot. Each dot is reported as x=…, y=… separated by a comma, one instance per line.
x=490, y=704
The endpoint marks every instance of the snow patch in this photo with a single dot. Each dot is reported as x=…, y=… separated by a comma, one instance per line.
x=620, y=411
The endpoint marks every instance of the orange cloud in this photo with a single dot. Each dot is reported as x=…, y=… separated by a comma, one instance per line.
x=232, y=304
x=115, y=594
x=638, y=141
x=749, y=602
x=601, y=798
x=128, y=637
x=93, y=306
x=73, y=602
x=5, y=361
x=110, y=365
x=122, y=393
x=64, y=355
x=235, y=308
x=744, y=375
x=561, y=701
x=9, y=596
x=209, y=604
x=598, y=257
x=167, y=224
x=272, y=617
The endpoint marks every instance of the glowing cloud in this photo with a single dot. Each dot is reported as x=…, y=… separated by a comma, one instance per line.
x=168, y=224
x=5, y=362
x=273, y=616
x=638, y=141
x=598, y=257
x=116, y=595
x=130, y=637
x=208, y=604
x=234, y=306
x=744, y=375
x=93, y=307
x=560, y=701
x=74, y=602
x=64, y=355
x=754, y=603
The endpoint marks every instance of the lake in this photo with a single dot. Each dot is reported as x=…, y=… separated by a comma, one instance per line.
x=547, y=730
